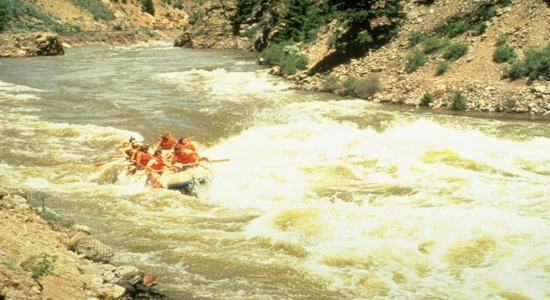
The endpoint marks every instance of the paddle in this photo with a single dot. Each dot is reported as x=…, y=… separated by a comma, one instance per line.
x=107, y=162
x=208, y=161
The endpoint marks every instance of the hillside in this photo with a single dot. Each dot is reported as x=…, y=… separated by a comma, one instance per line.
x=475, y=74
x=474, y=77
x=79, y=24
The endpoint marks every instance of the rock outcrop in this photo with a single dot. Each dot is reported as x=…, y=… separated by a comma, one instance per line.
x=210, y=26
x=35, y=44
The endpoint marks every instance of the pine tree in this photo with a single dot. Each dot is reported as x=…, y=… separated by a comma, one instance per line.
x=5, y=14
x=148, y=7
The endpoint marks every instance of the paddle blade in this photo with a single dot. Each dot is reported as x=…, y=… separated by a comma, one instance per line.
x=219, y=160
x=99, y=164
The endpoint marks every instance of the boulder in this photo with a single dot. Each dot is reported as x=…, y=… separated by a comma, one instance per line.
x=34, y=44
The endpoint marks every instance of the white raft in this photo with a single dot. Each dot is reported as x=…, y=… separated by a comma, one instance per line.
x=188, y=181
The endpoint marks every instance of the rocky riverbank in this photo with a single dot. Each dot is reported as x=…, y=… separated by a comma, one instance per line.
x=41, y=259
x=475, y=75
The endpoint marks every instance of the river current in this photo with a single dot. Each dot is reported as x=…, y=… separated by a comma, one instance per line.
x=323, y=197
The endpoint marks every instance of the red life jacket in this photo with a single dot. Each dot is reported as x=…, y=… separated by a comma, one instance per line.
x=167, y=144
x=159, y=165
x=145, y=157
x=184, y=158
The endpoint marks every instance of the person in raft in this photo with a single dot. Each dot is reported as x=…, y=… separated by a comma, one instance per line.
x=155, y=167
x=183, y=156
x=126, y=146
x=165, y=142
x=187, y=143
x=142, y=157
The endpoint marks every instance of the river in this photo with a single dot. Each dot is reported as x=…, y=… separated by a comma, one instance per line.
x=323, y=197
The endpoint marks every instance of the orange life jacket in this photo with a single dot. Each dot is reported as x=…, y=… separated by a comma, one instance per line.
x=167, y=144
x=145, y=157
x=159, y=165
x=185, y=158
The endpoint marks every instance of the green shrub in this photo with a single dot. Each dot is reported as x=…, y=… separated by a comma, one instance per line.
x=504, y=53
x=96, y=9
x=147, y=6
x=177, y=4
x=294, y=62
x=368, y=86
x=459, y=101
x=44, y=266
x=431, y=45
x=415, y=60
x=502, y=39
x=20, y=16
x=5, y=14
x=456, y=28
x=515, y=71
x=287, y=56
x=442, y=68
x=503, y=3
x=485, y=12
x=536, y=64
x=427, y=98
x=479, y=29
x=350, y=84
x=331, y=83
x=415, y=37
x=273, y=55
x=455, y=51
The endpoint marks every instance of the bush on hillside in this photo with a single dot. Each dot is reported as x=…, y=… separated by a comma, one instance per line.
x=331, y=84
x=536, y=64
x=504, y=3
x=502, y=39
x=147, y=6
x=5, y=14
x=415, y=37
x=350, y=84
x=459, y=101
x=456, y=28
x=368, y=87
x=96, y=9
x=442, y=68
x=294, y=60
x=18, y=16
x=362, y=88
x=432, y=44
x=415, y=60
x=485, y=12
x=289, y=57
x=455, y=51
x=479, y=29
x=273, y=55
x=427, y=99
x=504, y=53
